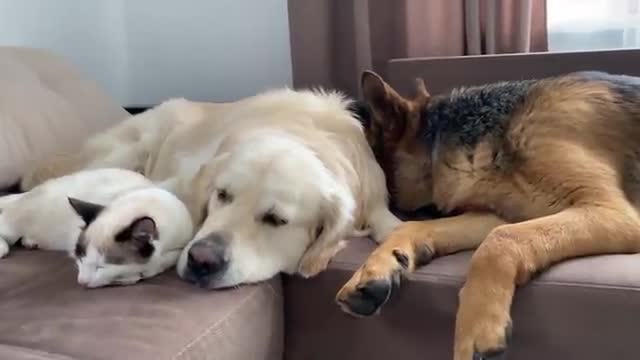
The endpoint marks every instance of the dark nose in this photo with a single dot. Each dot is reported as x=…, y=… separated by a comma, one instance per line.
x=208, y=256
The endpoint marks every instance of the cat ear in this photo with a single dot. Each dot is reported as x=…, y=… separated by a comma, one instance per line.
x=140, y=234
x=86, y=210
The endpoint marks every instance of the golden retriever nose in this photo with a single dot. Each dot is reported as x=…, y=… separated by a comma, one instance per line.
x=208, y=257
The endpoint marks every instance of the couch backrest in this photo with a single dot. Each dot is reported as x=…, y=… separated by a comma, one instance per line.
x=444, y=73
x=46, y=106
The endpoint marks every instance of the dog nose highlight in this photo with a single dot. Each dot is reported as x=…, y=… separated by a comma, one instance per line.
x=207, y=256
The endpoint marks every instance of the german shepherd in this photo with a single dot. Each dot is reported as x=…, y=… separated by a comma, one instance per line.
x=539, y=171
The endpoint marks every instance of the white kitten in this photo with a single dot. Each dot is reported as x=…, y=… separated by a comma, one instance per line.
x=116, y=224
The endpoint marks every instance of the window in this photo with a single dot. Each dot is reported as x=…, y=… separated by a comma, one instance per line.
x=593, y=24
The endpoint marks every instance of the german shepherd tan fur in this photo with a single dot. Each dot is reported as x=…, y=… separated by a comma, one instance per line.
x=540, y=171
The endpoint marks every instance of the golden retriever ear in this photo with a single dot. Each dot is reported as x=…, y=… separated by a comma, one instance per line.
x=328, y=238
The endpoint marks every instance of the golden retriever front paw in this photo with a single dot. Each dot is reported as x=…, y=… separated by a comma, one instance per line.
x=370, y=287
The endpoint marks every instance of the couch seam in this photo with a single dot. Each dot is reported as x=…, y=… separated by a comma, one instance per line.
x=215, y=324
x=457, y=280
x=541, y=283
x=585, y=285
x=276, y=294
x=38, y=352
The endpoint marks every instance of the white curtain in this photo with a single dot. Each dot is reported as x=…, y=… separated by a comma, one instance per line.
x=593, y=24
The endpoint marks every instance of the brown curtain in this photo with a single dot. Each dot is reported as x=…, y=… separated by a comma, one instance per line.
x=332, y=41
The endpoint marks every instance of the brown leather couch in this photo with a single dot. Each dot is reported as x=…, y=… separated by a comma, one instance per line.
x=582, y=309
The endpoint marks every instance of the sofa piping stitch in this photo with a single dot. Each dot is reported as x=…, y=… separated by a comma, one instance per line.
x=215, y=324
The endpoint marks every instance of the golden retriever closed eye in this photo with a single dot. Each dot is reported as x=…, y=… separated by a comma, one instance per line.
x=275, y=182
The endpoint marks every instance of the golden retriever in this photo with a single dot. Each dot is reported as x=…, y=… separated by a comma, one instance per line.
x=275, y=182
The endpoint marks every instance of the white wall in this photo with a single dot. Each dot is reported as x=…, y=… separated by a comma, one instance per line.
x=145, y=51
x=88, y=32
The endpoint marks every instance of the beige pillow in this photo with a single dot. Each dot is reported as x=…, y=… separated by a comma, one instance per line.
x=46, y=107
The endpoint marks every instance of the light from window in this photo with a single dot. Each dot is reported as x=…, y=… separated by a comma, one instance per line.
x=593, y=24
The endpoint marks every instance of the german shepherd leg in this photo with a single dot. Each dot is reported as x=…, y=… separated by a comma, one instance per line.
x=408, y=247
x=511, y=254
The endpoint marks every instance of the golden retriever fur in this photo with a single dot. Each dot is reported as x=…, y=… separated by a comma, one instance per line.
x=284, y=177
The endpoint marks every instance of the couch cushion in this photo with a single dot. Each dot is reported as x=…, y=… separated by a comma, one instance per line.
x=580, y=309
x=46, y=106
x=44, y=314
x=20, y=353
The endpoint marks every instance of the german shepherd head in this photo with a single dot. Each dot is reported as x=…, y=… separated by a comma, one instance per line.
x=393, y=126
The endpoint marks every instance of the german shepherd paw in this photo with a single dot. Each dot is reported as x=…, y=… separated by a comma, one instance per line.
x=370, y=287
x=486, y=346
x=483, y=332
x=492, y=355
x=496, y=351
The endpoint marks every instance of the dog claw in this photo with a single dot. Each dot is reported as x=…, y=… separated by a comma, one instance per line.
x=368, y=298
x=490, y=355
x=498, y=353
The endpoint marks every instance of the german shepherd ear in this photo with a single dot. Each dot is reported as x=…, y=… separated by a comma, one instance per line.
x=389, y=109
x=86, y=210
x=422, y=96
x=393, y=113
x=381, y=95
x=378, y=93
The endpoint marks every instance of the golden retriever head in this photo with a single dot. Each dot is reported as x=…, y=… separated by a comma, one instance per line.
x=268, y=204
x=393, y=128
